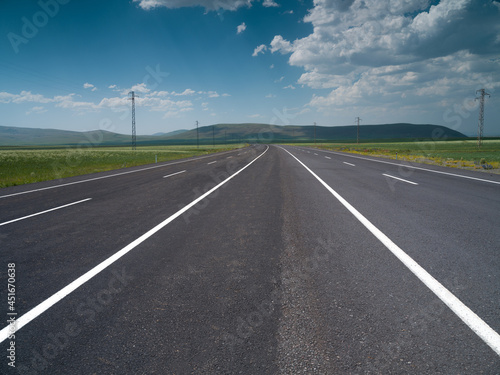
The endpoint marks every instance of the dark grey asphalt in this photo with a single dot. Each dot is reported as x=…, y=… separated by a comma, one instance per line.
x=269, y=274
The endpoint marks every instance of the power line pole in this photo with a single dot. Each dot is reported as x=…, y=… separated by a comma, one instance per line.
x=315, y=133
x=197, y=136
x=480, y=125
x=357, y=136
x=134, y=138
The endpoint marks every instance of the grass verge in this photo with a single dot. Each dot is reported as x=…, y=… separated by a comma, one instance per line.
x=25, y=166
x=457, y=154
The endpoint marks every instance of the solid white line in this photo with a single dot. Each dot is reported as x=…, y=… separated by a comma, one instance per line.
x=413, y=167
x=173, y=174
x=212, y=162
x=400, y=179
x=113, y=175
x=480, y=327
x=352, y=165
x=49, y=302
x=327, y=157
x=44, y=212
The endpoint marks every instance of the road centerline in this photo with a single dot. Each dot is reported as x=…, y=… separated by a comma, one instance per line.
x=44, y=212
x=470, y=318
x=352, y=165
x=68, y=289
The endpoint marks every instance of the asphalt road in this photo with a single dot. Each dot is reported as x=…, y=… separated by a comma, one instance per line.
x=265, y=260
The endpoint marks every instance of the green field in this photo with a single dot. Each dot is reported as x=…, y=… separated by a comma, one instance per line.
x=20, y=166
x=458, y=154
x=25, y=166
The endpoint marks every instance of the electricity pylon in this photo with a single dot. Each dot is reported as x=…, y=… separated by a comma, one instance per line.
x=357, y=135
x=134, y=138
x=480, y=125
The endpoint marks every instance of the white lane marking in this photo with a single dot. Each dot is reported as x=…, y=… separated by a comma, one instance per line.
x=400, y=179
x=44, y=212
x=352, y=165
x=469, y=317
x=327, y=157
x=229, y=157
x=49, y=302
x=173, y=174
x=113, y=175
x=212, y=162
x=413, y=167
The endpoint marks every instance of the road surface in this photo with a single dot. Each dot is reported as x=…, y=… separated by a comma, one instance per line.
x=265, y=260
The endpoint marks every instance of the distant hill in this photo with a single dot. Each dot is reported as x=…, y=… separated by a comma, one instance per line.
x=169, y=134
x=248, y=132
x=15, y=136
x=265, y=133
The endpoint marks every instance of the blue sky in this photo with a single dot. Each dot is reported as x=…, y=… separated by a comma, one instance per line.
x=69, y=64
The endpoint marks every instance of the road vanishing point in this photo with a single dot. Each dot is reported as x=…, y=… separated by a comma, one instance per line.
x=264, y=260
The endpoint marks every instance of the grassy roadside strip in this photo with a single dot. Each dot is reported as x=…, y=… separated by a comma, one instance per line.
x=454, y=154
x=25, y=166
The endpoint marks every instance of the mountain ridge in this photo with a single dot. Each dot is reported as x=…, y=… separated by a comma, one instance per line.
x=244, y=132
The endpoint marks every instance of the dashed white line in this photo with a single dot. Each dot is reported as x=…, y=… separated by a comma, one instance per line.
x=173, y=174
x=408, y=165
x=316, y=154
x=212, y=162
x=400, y=179
x=44, y=212
x=469, y=317
x=71, y=287
x=352, y=165
x=327, y=157
x=109, y=176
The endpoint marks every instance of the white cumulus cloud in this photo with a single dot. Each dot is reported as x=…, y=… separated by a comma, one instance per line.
x=138, y=88
x=36, y=110
x=281, y=45
x=270, y=3
x=186, y=92
x=209, y=5
x=241, y=28
x=259, y=49
x=382, y=53
x=89, y=86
